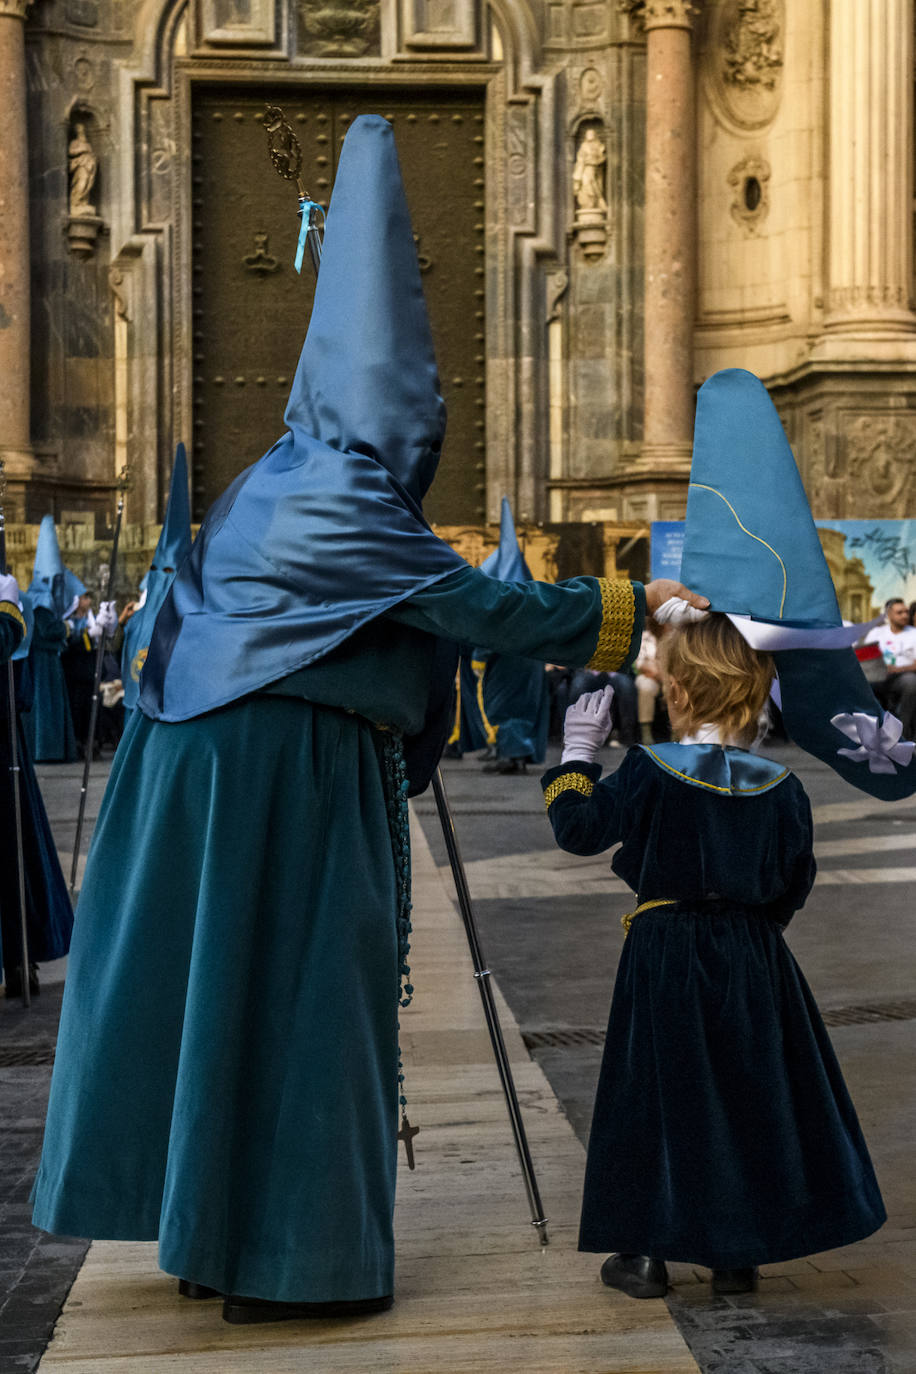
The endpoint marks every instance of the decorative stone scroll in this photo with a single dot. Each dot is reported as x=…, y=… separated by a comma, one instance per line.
x=749, y=180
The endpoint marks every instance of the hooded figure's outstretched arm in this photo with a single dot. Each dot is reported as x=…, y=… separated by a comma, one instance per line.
x=587, y=621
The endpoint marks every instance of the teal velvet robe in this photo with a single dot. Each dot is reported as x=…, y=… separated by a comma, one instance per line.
x=48, y=725
x=226, y=1072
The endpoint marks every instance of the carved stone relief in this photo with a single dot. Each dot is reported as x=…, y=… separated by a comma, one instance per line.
x=823, y=479
x=448, y=24
x=591, y=88
x=520, y=164
x=745, y=58
x=749, y=180
x=881, y=461
x=339, y=28
x=83, y=72
x=237, y=23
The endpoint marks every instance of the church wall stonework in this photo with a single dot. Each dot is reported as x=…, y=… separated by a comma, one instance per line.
x=799, y=276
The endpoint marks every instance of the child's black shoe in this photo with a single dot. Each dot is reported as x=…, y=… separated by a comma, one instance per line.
x=636, y=1275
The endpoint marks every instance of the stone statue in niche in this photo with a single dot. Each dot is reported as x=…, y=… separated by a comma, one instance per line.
x=588, y=182
x=82, y=223
x=588, y=173
x=84, y=166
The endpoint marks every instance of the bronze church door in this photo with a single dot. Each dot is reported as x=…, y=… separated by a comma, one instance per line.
x=250, y=309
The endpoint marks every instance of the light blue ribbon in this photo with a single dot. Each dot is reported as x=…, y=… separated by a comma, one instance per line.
x=305, y=223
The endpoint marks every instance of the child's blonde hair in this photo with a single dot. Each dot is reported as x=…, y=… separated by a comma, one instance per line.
x=725, y=681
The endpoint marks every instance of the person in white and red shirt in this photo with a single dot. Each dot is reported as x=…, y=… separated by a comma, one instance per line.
x=897, y=641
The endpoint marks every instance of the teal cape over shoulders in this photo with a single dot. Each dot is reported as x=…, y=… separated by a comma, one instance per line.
x=728, y=770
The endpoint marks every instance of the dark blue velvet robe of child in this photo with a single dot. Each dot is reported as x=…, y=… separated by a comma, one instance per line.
x=723, y=1133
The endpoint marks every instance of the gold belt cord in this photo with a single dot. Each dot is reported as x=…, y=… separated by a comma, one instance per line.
x=627, y=921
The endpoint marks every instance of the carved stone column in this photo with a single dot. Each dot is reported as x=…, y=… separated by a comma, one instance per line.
x=870, y=225
x=15, y=437
x=670, y=239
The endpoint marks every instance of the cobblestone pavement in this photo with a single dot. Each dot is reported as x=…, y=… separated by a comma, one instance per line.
x=551, y=935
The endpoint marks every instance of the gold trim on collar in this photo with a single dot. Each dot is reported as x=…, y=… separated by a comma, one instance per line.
x=618, y=613
x=10, y=608
x=711, y=786
x=569, y=782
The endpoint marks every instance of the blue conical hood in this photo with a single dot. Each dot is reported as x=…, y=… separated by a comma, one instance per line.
x=48, y=586
x=751, y=546
x=172, y=549
x=507, y=562
x=175, y=540
x=750, y=543
x=367, y=380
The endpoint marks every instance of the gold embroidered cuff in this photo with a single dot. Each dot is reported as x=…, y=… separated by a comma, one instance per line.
x=575, y=782
x=618, y=613
x=10, y=608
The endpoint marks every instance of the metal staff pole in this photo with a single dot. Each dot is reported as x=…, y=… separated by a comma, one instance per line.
x=96, y=693
x=14, y=782
x=482, y=975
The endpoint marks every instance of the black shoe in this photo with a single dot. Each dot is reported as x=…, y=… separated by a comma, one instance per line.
x=636, y=1275
x=200, y=1291
x=244, y=1311
x=451, y=751
x=506, y=766
x=735, y=1280
x=488, y=754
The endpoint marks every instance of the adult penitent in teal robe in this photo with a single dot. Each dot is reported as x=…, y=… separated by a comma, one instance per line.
x=48, y=724
x=226, y=1073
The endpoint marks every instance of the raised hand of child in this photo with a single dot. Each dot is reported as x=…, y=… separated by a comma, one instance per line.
x=586, y=726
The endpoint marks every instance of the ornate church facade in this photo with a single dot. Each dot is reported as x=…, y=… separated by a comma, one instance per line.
x=611, y=199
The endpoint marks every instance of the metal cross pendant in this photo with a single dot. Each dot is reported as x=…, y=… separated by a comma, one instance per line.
x=407, y=1133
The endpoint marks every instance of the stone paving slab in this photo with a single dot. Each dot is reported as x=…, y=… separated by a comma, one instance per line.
x=474, y=1288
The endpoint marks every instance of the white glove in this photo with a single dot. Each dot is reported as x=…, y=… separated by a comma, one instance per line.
x=587, y=725
x=676, y=611
x=9, y=588
x=94, y=627
x=107, y=617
